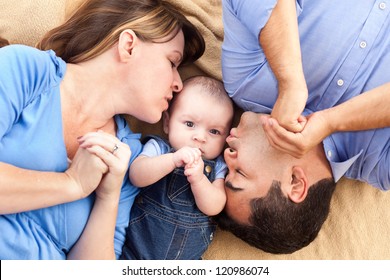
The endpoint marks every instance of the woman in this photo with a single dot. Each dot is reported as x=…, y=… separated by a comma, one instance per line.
x=64, y=149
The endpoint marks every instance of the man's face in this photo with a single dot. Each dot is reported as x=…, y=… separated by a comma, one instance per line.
x=252, y=166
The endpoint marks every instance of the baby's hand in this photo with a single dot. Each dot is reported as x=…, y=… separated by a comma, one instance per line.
x=186, y=156
x=194, y=171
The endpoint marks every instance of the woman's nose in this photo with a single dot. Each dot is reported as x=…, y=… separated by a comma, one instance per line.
x=177, y=84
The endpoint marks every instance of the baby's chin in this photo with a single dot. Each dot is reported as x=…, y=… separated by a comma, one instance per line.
x=210, y=157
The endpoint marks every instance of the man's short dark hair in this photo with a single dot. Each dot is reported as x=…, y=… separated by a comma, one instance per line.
x=280, y=226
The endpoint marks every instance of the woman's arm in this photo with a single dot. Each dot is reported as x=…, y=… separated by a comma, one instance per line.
x=24, y=190
x=97, y=239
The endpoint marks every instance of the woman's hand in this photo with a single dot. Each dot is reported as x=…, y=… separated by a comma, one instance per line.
x=114, y=154
x=86, y=170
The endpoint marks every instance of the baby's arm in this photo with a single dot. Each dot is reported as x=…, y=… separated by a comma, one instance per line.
x=145, y=170
x=209, y=197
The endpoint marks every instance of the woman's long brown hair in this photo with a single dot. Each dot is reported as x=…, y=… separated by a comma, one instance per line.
x=96, y=25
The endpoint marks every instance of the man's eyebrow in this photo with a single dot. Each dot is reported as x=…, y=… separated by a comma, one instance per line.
x=229, y=185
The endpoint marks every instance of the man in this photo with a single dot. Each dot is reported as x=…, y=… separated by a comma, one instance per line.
x=283, y=167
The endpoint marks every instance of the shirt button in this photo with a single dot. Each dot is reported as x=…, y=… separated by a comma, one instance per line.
x=340, y=82
x=363, y=44
x=330, y=153
x=382, y=6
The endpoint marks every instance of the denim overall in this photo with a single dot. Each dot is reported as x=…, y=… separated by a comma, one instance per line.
x=165, y=223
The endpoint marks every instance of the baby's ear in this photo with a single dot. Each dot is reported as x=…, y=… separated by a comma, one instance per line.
x=166, y=122
x=298, y=188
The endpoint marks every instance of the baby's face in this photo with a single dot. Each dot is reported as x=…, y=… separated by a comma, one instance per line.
x=198, y=120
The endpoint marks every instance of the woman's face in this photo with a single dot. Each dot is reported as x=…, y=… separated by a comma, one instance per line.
x=153, y=77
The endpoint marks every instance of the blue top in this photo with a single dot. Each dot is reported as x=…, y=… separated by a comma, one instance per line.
x=31, y=137
x=152, y=149
x=345, y=51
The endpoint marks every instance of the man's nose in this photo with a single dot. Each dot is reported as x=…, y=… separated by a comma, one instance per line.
x=230, y=154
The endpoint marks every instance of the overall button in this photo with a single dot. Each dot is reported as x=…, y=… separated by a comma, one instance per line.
x=208, y=168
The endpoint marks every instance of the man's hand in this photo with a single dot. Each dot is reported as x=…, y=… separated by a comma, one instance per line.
x=297, y=144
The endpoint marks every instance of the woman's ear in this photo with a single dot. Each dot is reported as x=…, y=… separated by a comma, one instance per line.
x=299, y=186
x=165, y=122
x=127, y=41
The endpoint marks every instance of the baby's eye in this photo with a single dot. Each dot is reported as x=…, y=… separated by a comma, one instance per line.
x=214, y=131
x=189, y=124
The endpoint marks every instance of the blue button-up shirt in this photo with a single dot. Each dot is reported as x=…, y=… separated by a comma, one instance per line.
x=345, y=51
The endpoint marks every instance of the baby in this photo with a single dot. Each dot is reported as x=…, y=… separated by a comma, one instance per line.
x=182, y=179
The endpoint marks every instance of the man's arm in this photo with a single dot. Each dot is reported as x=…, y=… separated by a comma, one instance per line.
x=369, y=110
x=280, y=42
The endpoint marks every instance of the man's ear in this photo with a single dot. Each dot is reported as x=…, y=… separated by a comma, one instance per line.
x=299, y=186
x=127, y=41
x=166, y=122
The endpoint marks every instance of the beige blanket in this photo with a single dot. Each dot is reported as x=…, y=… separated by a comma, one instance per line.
x=359, y=223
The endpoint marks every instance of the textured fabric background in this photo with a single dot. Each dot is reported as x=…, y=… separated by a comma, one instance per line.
x=359, y=223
